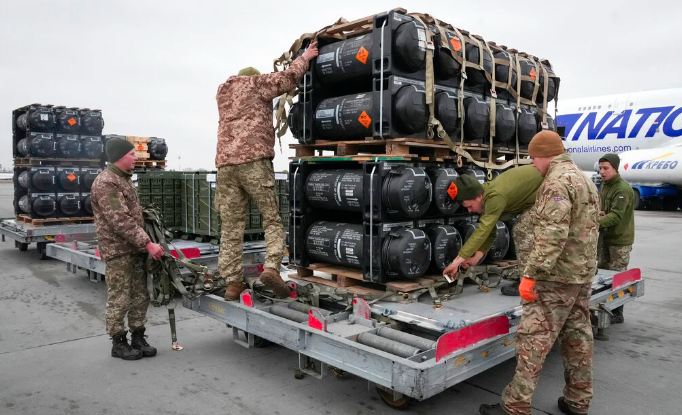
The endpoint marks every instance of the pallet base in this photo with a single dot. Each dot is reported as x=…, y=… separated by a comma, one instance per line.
x=39, y=162
x=158, y=164
x=342, y=277
x=53, y=221
x=396, y=149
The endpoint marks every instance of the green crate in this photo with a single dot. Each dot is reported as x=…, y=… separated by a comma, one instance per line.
x=145, y=200
x=143, y=189
x=157, y=200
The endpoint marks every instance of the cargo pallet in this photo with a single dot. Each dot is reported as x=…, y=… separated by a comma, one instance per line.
x=70, y=162
x=24, y=234
x=53, y=221
x=465, y=336
x=397, y=149
x=157, y=164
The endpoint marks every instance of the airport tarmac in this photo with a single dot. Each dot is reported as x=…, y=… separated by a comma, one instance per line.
x=55, y=356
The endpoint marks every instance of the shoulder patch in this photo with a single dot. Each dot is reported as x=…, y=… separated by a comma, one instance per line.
x=621, y=196
x=558, y=198
x=114, y=202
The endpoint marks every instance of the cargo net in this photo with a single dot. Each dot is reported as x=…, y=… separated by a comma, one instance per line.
x=412, y=75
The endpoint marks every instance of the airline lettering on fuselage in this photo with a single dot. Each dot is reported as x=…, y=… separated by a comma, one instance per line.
x=655, y=164
x=598, y=126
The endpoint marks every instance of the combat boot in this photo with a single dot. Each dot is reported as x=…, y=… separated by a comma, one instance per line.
x=565, y=408
x=511, y=290
x=138, y=342
x=492, y=410
x=122, y=349
x=271, y=279
x=233, y=290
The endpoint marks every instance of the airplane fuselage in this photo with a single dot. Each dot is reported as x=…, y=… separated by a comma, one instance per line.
x=620, y=123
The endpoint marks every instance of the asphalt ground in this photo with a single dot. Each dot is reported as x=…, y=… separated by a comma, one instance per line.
x=55, y=356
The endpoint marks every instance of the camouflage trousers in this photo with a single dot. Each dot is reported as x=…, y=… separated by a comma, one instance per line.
x=614, y=258
x=234, y=186
x=524, y=239
x=560, y=311
x=126, y=293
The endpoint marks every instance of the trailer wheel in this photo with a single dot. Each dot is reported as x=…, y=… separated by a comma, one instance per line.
x=42, y=251
x=23, y=247
x=388, y=398
x=639, y=203
x=259, y=342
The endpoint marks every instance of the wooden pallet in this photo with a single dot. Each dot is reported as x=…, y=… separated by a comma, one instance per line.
x=404, y=148
x=42, y=162
x=141, y=155
x=159, y=164
x=353, y=28
x=352, y=279
x=52, y=221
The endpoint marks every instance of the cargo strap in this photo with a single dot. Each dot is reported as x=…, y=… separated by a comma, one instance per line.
x=164, y=278
x=433, y=122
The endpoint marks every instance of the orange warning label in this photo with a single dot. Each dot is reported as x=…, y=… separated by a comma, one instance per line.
x=452, y=190
x=364, y=119
x=71, y=121
x=71, y=177
x=140, y=147
x=456, y=44
x=362, y=55
x=532, y=73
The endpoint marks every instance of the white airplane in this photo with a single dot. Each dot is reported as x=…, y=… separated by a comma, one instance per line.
x=644, y=128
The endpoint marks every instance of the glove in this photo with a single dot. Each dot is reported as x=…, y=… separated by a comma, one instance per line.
x=526, y=289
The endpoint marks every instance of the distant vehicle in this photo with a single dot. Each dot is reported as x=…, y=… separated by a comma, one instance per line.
x=644, y=128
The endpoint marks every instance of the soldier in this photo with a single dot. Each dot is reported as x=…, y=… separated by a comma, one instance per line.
x=557, y=283
x=511, y=193
x=617, y=223
x=245, y=151
x=123, y=246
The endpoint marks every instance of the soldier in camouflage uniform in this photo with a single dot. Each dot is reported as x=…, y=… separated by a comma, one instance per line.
x=246, y=140
x=556, y=286
x=617, y=223
x=123, y=246
x=511, y=193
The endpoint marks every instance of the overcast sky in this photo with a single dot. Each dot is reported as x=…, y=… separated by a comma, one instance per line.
x=153, y=67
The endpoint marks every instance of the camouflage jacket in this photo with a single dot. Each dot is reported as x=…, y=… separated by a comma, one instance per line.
x=567, y=227
x=512, y=192
x=118, y=215
x=245, y=130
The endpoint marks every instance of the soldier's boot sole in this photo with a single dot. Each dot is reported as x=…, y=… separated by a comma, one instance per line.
x=511, y=290
x=492, y=410
x=565, y=408
x=271, y=279
x=126, y=355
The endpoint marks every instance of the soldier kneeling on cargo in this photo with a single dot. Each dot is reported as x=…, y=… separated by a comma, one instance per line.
x=246, y=140
x=511, y=193
x=616, y=223
x=124, y=246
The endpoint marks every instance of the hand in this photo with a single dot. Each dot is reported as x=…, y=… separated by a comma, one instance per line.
x=602, y=213
x=526, y=289
x=474, y=260
x=450, y=271
x=312, y=52
x=155, y=250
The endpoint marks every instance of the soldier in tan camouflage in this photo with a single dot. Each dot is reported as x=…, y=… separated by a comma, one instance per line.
x=246, y=140
x=557, y=283
x=123, y=246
